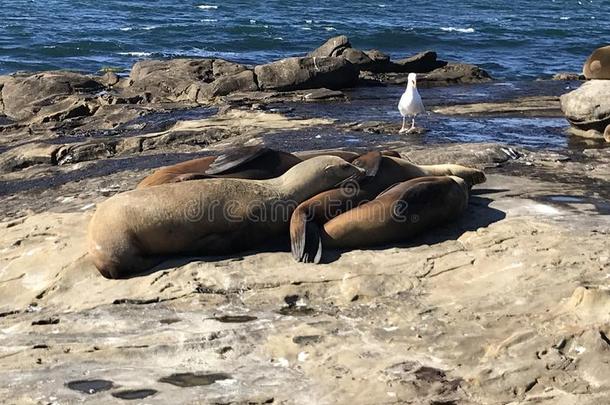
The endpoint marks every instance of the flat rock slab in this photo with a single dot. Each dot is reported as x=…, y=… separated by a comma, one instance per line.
x=505, y=305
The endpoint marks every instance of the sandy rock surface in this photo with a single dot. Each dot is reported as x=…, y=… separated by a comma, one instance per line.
x=508, y=305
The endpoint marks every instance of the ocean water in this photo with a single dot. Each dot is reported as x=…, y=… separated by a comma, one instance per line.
x=513, y=40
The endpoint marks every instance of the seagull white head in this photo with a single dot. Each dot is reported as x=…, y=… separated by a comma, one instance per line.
x=412, y=79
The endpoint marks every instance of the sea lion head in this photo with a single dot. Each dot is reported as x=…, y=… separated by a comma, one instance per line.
x=607, y=133
x=323, y=172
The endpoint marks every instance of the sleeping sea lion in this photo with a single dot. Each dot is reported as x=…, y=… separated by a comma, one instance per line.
x=249, y=162
x=133, y=231
x=403, y=211
x=597, y=65
x=309, y=216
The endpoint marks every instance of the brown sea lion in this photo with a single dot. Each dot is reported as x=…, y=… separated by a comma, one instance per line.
x=597, y=65
x=314, y=212
x=403, y=211
x=251, y=162
x=133, y=231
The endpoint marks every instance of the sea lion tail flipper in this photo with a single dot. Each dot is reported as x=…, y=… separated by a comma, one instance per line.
x=305, y=239
x=235, y=158
x=391, y=153
x=369, y=162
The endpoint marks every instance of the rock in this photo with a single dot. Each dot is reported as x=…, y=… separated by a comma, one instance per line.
x=24, y=95
x=68, y=108
x=333, y=47
x=423, y=62
x=547, y=106
x=173, y=80
x=456, y=73
x=357, y=58
x=380, y=62
x=222, y=67
x=452, y=73
x=588, y=108
x=323, y=94
x=567, y=76
x=28, y=155
x=377, y=56
x=86, y=151
x=306, y=73
x=597, y=65
x=109, y=79
x=243, y=81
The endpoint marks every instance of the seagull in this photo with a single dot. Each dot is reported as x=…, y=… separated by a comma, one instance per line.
x=410, y=103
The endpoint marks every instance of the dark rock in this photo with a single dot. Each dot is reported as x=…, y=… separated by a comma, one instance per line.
x=357, y=57
x=306, y=73
x=28, y=155
x=597, y=65
x=24, y=95
x=323, y=94
x=86, y=151
x=333, y=47
x=588, y=108
x=423, y=62
x=222, y=67
x=377, y=56
x=109, y=79
x=567, y=76
x=380, y=62
x=456, y=73
x=68, y=108
x=178, y=79
x=243, y=81
x=452, y=73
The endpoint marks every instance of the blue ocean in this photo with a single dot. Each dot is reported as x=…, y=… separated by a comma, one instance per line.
x=513, y=40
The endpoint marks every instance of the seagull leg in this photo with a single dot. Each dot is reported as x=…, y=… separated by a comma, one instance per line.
x=412, y=129
x=403, y=129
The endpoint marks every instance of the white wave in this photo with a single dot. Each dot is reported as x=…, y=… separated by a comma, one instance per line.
x=330, y=28
x=252, y=21
x=279, y=38
x=206, y=7
x=455, y=29
x=308, y=21
x=137, y=54
x=564, y=18
x=209, y=20
x=306, y=28
x=126, y=29
x=382, y=5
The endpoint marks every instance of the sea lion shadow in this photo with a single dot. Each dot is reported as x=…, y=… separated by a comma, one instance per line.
x=172, y=263
x=478, y=215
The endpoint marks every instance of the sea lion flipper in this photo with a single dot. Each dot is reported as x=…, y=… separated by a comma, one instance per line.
x=391, y=153
x=369, y=162
x=235, y=158
x=305, y=240
x=190, y=176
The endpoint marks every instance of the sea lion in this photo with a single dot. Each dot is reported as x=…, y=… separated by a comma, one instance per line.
x=310, y=215
x=133, y=231
x=597, y=65
x=250, y=162
x=399, y=213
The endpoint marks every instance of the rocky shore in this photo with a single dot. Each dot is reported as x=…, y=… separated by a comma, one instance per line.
x=508, y=305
